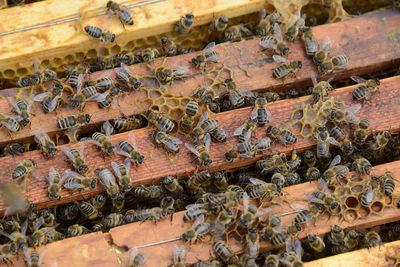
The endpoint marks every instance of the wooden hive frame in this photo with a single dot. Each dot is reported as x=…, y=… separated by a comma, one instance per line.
x=380, y=51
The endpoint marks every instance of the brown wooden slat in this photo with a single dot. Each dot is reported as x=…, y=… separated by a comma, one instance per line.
x=369, y=41
x=382, y=110
x=140, y=234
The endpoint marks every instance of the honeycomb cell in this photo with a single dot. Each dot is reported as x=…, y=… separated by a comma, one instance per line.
x=364, y=212
x=92, y=53
x=388, y=200
x=176, y=113
x=155, y=107
x=140, y=42
x=351, y=202
x=159, y=101
x=357, y=189
x=79, y=56
x=22, y=71
x=317, y=12
x=377, y=206
x=154, y=93
x=172, y=102
x=129, y=46
x=165, y=109
x=116, y=49
x=9, y=73
x=350, y=215
x=44, y=63
x=57, y=61
x=152, y=40
x=68, y=59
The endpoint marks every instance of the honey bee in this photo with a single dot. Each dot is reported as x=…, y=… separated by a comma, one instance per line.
x=261, y=112
x=236, y=97
x=236, y=32
x=293, y=253
x=67, y=213
x=362, y=166
x=310, y=43
x=77, y=230
x=44, y=235
x=247, y=149
x=271, y=261
x=6, y=251
x=88, y=93
x=168, y=142
x=88, y=210
x=320, y=89
x=194, y=211
x=370, y=191
x=23, y=169
x=48, y=217
x=149, y=54
x=34, y=259
x=204, y=125
x=198, y=180
x=351, y=240
x=152, y=191
x=202, y=151
x=18, y=237
x=316, y=243
x=205, y=94
x=125, y=75
x=22, y=109
x=323, y=142
x=225, y=253
x=297, y=24
x=113, y=220
x=191, y=110
x=197, y=231
x=343, y=142
x=286, y=67
x=252, y=243
x=97, y=33
x=275, y=42
x=54, y=184
x=73, y=120
x=283, y=135
x=127, y=124
x=380, y=141
x=136, y=259
x=220, y=24
x=276, y=161
x=322, y=53
x=250, y=212
x=324, y=197
x=260, y=189
x=347, y=115
x=278, y=238
x=107, y=179
x=309, y=158
x=167, y=75
x=172, y=185
x=15, y=149
x=74, y=181
x=245, y=131
x=184, y=24
x=264, y=26
x=387, y=183
x=312, y=174
x=75, y=158
x=45, y=144
x=103, y=142
x=159, y=120
x=10, y=122
x=208, y=55
x=336, y=236
x=307, y=215
x=168, y=46
x=361, y=132
x=154, y=214
x=339, y=61
x=122, y=12
x=122, y=172
x=335, y=171
x=372, y=239
x=111, y=97
x=326, y=67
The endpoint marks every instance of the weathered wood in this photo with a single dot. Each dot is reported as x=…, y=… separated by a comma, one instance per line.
x=382, y=110
x=381, y=256
x=141, y=234
x=370, y=44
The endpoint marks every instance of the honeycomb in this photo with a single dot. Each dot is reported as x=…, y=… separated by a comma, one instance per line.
x=349, y=194
x=316, y=11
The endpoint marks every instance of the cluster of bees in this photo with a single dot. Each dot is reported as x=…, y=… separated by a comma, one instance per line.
x=223, y=204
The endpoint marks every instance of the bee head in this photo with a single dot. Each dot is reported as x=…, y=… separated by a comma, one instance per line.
x=54, y=196
x=164, y=40
x=195, y=62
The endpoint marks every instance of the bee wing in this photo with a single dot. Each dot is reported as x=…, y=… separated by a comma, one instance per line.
x=26, y=255
x=311, y=198
x=209, y=47
x=203, y=118
x=115, y=168
x=367, y=95
x=179, y=70
x=13, y=103
x=314, y=78
x=325, y=187
x=114, y=103
x=358, y=79
x=15, y=117
x=42, y=253
x=234, y=96
x=256, y=181
x=298, y=206
x=193, y=207
x=332, y=141
x=176, y=140
x=296, y=16
x=263, y=14
x=94, y=142
x=132, y=140
x=267, y=43
x=298, y=249
x=179, y=254
x=53, y=103
x=133, y=254
x=79, y=83
x=7, y=235
x=52, y=173
x=278, y=58
x=107, y=128
x=239, y=130
x=122, y=153
x=265, y=142
x=207, y=141
x=263, y=212
x=370, y=195
x=67, y=153
x=40, y=97
x=269, y=114
x=336, y=160
x=331, y=78
x=192, y=149
x=214, y=57
x=278, y=32
x=312, y=45
x=253, y=114
x=71, y=174
x=24, y=227
x=199, y=220
x=122, y=73
x=354, y=108
x=326, y=44
x=98, y=97
x=38, y=224
x=246, y=201
x=40, y=136
x=127, y=163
